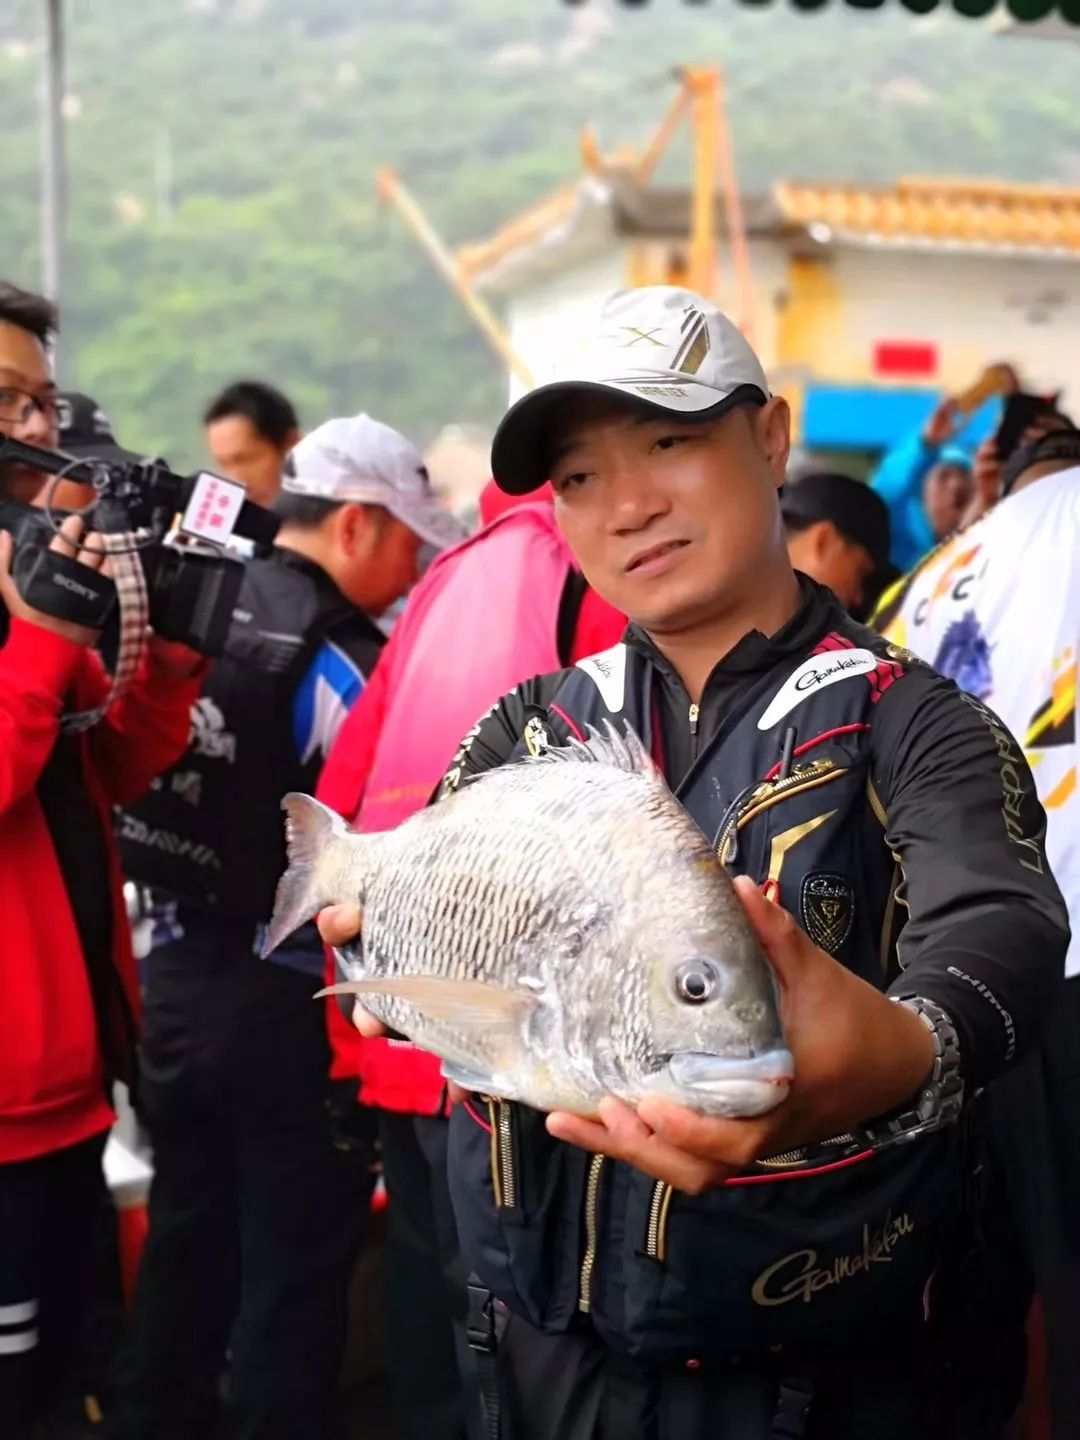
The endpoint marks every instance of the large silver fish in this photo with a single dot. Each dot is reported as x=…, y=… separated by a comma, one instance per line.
x=556, y=931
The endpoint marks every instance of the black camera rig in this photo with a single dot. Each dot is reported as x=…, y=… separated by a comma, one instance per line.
x=192, y=584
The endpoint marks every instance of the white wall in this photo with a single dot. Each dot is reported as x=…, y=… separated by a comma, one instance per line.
x=977, y=308
x=769, y=264
x=545, y=318
x=542, y=318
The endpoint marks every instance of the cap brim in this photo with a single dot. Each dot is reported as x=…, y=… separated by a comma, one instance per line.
x=519, y=452
x=107, y=454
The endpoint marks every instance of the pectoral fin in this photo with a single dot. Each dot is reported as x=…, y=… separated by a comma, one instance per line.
x=468, y=1004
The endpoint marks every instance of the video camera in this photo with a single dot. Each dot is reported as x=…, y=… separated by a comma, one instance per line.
x=192, y=584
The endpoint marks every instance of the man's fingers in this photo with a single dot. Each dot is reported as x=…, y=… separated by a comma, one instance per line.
x=622, y=1121
x=780, y=938
x=92, y=554
x=736, y=1143
x=366, y=1023
x=616, y=1125
x=339, y=924
x=67, y=542
x=623, y=1136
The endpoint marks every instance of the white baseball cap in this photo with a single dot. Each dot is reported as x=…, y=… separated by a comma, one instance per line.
x=663, y=348
x=359, y=461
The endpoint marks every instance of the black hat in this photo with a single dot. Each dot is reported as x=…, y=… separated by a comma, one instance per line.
x=857, y=511
x=85, y=430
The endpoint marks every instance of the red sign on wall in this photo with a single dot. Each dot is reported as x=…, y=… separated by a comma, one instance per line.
x=908, y=358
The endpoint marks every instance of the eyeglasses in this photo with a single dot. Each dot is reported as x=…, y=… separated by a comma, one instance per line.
x=17, y=406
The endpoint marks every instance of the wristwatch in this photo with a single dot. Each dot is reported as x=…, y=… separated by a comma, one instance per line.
x=938, y=1103
x=941, y=1095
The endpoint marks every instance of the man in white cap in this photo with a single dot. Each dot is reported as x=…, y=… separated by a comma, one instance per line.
x=262, y=1165
x=814, y=1270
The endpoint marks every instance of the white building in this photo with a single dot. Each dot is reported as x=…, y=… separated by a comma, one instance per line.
x=866, y=303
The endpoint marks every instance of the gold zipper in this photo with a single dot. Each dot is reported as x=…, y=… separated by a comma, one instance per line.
x=695, y=711
x=592, y=1195
x=796, y=1157
x=656, y=1239
x=885, y=949
x=770, y=792
x=503, y=1179
x=876, y=806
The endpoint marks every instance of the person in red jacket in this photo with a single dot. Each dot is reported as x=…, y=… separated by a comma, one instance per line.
x=68, y=995
x=515, y=582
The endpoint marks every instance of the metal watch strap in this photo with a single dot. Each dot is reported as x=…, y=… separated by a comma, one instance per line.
x=938, y=1103
x=941, y=1095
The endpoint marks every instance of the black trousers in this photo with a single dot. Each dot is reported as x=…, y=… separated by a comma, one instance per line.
x=1034, y=1113
x=50, y=1211
x=428, y=1361
x=257, y=1206
x=572, y=1387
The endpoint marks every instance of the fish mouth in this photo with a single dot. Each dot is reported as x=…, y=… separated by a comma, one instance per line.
x=757, y=1081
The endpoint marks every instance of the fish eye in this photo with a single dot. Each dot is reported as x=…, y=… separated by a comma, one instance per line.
x=695, y=981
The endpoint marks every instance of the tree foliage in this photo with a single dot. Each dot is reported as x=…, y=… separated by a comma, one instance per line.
x=222, y=155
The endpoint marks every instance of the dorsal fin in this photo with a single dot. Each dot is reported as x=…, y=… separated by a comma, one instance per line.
x=625, y=751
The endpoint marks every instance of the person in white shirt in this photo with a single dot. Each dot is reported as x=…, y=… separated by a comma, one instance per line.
x=997, y=608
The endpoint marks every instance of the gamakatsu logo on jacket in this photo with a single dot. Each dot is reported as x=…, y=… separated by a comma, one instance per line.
x=815, y=674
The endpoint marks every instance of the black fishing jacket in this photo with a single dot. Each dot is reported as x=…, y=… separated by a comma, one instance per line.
x=906, y=839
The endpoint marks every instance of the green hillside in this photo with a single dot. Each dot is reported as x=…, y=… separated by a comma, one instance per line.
x=222, y=153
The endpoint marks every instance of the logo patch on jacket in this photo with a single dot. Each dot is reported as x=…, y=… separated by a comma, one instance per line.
x=536, y=736
x=827, y=907
x=885, y=673
x=608, y=673
x=814, y=674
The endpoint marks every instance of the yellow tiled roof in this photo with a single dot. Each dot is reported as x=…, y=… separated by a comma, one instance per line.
x=963, y=212
x=920, y=211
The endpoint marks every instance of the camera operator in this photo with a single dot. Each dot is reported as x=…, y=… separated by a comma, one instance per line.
x=262, y=1168
x=67, y=985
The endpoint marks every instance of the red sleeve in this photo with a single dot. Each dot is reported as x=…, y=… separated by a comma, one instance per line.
x=341, y=786
x=345, y=774
x=599, y=626
x=36, y=669
x=145, y=732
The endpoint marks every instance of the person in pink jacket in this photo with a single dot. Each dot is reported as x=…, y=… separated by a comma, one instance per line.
x=507, y=604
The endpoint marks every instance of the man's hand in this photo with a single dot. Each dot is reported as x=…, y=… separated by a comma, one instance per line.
x=340, y=925
x=986, y=471
x=941, y=427
x=857, y=1055
x=92, y=555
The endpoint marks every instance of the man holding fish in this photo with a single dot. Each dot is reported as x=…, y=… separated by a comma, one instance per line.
x=713, y=1160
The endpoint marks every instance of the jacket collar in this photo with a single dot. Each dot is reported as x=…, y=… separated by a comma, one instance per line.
x=755, y=653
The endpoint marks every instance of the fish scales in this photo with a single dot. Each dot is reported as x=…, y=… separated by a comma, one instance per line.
x=507, y=903
x=604, y=947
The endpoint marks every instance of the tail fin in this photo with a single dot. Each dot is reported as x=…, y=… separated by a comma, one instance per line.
x=312, y=834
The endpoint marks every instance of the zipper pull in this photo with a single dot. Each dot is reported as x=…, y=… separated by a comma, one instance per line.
x=694, y=712
x=787, y=754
